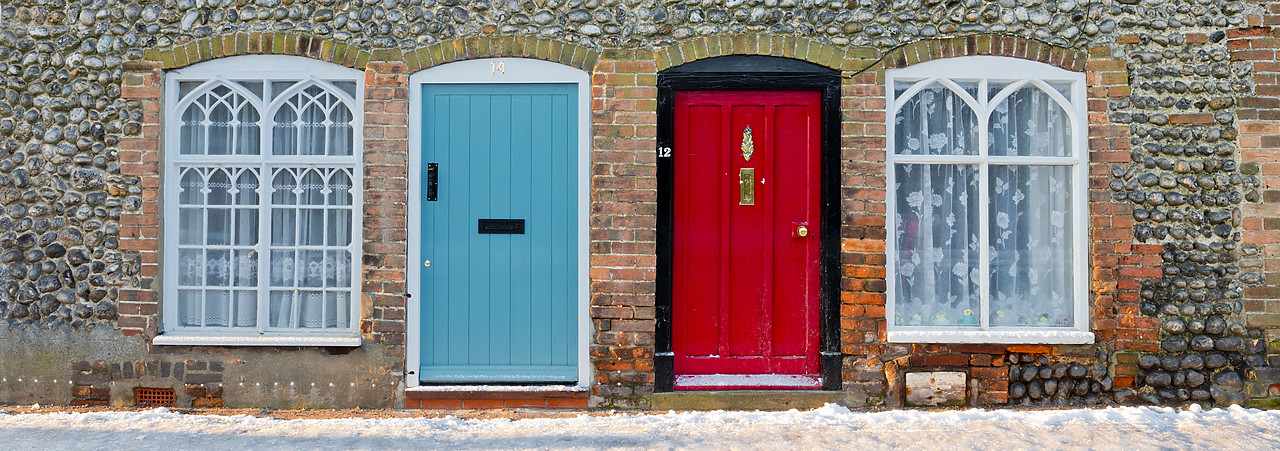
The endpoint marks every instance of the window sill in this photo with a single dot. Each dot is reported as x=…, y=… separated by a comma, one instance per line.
x=1057, y=337
x=188, y=339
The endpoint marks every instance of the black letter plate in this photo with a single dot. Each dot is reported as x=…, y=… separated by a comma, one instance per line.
x=509, y=226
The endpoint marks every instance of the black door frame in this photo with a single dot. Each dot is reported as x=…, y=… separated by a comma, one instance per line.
x=753, y=72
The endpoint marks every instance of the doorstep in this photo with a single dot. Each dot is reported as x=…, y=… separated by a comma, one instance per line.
x=495, y=397
x=745, y=400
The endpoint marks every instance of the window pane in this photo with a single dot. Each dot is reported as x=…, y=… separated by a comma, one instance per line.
x=340, y=188
x=936, y=121
x=246, y=189
x=339, y=227
x=281, y=309
x=253, y=86
x=312, y=233
x=217, y=308
x=191, y=267
x=1063, y=87
x=969, y=86
x=246, y=268
x=190, y=226
x=937, y=245
x=1030, y=123
x=310, y=309
x=1031, y=260
x=348, y=87
x=246, y=227
x=282, y=272
x=217, y=271
x=283, y=226
x=189, y=307
x=994, y=87
x=191, y=134
x=246, y=308
x=219, y=226
x=311, y=268
x=192, y=187
x=338, y=269
x=337, y=309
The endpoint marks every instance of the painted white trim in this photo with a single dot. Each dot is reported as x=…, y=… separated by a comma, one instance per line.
x=174, y=339
x=1021, y=73
x=496, y=388
x=517, y=70
x=1061, y=337
x=708, y=381
x=265, y=68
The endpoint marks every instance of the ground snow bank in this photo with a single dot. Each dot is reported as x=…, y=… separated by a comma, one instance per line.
x=832, y=426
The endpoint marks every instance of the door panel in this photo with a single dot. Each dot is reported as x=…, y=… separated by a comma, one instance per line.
x=745, y=293
x=499, y=306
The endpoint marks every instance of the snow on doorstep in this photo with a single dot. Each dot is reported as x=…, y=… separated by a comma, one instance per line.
x=748, y=380
x=830, y=427
x=532, y=388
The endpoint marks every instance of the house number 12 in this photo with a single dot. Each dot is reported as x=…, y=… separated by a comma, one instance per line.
x=497, y=67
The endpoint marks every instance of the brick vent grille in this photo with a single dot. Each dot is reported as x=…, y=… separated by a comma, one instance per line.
x=153, y=397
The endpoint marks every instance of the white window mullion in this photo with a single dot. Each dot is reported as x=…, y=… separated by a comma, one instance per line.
x=264, y=247
x=984, y=207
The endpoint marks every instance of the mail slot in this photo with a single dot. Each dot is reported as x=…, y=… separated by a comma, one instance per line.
x=507, y=226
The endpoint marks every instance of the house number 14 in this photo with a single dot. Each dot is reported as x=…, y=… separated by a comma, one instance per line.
x=497, y=67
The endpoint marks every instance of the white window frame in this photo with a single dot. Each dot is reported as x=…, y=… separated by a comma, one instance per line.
x=982, y=69
x=265, y=68
x=513, y=70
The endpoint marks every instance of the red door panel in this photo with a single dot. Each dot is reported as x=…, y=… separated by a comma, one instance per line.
x=745, y=294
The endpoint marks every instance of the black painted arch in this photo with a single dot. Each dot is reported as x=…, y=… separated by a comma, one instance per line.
x=754, y=72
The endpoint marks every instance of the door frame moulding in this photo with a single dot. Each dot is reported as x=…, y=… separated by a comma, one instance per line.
x=485, y=71
x=762, y=73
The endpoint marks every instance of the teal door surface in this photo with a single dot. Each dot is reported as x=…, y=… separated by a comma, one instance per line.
x=499, y=233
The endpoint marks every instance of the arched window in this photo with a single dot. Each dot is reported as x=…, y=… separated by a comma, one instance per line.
x=262, y=185
x=986, y=202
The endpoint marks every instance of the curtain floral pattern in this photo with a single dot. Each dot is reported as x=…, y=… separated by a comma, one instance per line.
x=937, y=225
x=265, y=243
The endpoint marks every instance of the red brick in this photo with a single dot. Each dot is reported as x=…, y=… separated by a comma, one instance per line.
x=567, y=403
x=437, y=403
x=538, y=403
x=482, y=403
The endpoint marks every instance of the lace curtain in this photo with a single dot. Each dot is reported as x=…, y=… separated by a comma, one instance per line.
x=937, y=228
x=309, y=211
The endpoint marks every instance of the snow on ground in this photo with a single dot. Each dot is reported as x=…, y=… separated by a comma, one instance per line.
x=1127, y=428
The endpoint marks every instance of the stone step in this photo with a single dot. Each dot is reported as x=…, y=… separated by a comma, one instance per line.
x=745, y=400
x=495, y=397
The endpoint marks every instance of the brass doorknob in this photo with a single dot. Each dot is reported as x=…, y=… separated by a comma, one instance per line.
x=426, y=263
x=802, y=231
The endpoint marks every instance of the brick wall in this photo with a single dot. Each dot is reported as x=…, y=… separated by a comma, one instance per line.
x=1258, y=114
x=140, y=229
x=386, y=187
x=623, y=227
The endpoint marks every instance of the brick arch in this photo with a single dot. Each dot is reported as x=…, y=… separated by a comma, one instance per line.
x=803, y=49
x=986, y=44
x=461, y=49
x=205, y=49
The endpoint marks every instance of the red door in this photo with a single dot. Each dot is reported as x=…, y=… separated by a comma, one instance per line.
x=745, y=293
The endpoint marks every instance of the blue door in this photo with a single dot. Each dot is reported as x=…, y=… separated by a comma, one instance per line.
x=499, y=233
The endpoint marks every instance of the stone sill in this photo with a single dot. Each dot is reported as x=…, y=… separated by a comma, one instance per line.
x=1056, y=337
x=177, y=339
x=495, y=392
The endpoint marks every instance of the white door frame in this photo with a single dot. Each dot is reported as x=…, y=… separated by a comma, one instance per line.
x=495, y=70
